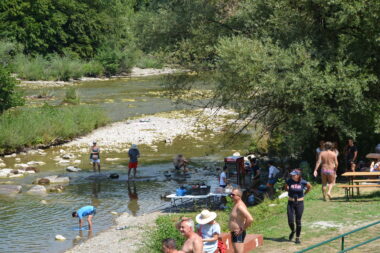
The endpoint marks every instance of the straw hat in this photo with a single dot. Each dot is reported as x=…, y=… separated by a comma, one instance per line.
x=205, y=217
x=236, y=154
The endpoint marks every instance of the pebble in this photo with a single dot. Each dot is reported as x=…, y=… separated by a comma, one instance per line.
x=43, y=202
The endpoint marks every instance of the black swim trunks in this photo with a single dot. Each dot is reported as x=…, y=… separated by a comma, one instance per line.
x=238, y=238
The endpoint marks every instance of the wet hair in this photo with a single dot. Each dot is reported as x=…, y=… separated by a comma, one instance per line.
x=169, y=243
x=328, y=145
x=74, y=214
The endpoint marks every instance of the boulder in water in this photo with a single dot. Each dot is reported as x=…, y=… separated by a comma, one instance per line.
x=43, y=181
x=114, y=176
x=60, y=238
x=32, y=169
x=10, y=189
x=57, y=188
x=73, y=169
x=37, y=189
x=57, y=180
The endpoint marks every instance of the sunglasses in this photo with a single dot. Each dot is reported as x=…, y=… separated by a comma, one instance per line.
x=232, y=194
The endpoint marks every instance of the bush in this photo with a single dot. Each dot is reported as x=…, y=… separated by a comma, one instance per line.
x=149, y=61
x=93, y=69
x=71, y=96
x=28, y=127
x=8, y=95
x=65, y=68
x=8, y=51
x=32, y=69
x=116, y=61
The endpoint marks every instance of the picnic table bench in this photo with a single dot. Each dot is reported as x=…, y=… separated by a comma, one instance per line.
x=354, y=183
x=173, y=198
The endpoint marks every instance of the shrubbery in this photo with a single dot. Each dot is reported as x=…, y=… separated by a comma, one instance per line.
x=8, y=95
x=28, y=127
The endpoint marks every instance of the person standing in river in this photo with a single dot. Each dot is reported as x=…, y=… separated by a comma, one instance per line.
x=95, y=156
x=240, y=220
x=133, y=154
x=329, y=163
x=295, y=186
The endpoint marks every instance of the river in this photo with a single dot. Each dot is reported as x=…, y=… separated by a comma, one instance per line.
x=29, y=224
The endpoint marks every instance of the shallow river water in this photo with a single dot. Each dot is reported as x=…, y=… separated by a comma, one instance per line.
x=28, y=225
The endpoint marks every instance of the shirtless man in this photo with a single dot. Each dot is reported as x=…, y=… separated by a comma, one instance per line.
x=193, y=243
x=240, y=220
x=329, y=164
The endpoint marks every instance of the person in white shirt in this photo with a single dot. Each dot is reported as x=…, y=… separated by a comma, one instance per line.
x=272, y=177
x=223, y=178
x=209, y=230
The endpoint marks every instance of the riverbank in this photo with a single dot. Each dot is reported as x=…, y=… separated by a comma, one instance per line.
x=135, y=72
x=128, y=239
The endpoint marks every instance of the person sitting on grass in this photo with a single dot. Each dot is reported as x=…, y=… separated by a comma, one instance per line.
x=295, y=186
x=209, y=230
x=193, y=243
x=88, y=211
x=169, y=246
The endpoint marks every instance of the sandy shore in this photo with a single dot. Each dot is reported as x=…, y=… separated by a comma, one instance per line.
x=127, y=240
x=135, y=72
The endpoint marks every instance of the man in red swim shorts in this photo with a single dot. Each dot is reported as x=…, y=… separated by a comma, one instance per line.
x=133, y=154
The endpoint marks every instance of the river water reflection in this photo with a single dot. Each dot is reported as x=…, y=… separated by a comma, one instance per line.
x=28, y=225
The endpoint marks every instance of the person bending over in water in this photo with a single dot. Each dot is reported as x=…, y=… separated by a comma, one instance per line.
x=240, y=220
x=329, y=164
x=95, y=156
x=88, y=211
x=295, y=186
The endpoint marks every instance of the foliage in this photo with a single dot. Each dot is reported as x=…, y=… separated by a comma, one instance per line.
x=8, y=50
x=9, y=97
x=28, y=127
x=49, y=26
x=71, y=96
x=148, y=61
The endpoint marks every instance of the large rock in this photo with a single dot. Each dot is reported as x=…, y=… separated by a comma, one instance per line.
x=10, y=189
x=58, y=180
x=32, y=169
x=5, y=172
x=37, y=189
x=73, y=169
x=21, y=165
x=35, y=163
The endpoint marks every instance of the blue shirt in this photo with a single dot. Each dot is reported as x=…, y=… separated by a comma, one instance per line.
x=133, y=154
x=208, y=231
x=296, y=189
x=85, y=211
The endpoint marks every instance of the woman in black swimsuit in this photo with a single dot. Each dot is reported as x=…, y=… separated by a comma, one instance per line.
x=295, y=187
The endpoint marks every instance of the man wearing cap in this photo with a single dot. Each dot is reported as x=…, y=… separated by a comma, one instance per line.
x=95, y=156
x=133, y=154
x=240, y=220
x=209, y=230
x=86, y=211
x=193, y=243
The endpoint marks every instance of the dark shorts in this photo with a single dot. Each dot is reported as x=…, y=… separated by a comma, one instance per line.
x=132, y=165
x=223, y=186
x=272, y=181
x=238, y=239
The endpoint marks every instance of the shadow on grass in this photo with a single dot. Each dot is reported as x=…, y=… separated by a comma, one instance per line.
x=280, y=239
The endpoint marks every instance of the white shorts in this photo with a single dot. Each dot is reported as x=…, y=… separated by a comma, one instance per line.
x=95, y=161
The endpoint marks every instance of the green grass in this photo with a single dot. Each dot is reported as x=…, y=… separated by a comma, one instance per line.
x=29, y=127
x=271, y=221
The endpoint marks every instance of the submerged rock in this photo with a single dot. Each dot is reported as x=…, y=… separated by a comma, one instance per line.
x=43, y=181
x=57, y=188
x=10, y=189
x=37, y=189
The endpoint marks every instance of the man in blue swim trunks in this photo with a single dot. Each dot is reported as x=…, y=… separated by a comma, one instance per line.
x=88, y=211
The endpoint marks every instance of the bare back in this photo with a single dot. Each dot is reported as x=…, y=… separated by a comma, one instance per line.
x=328, y=160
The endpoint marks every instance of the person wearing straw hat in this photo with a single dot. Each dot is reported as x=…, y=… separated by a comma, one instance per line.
x=209, y=230
x=133, y=154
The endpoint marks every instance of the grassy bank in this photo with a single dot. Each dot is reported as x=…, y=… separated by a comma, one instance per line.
x=321, y=221
x=30, y=127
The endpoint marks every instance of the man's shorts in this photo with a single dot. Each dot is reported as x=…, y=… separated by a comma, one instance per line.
x=272, y=181
x=95, y=161
x=132, y=165
x=238, y=238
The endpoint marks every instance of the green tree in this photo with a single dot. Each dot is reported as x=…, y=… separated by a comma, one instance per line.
x=8, y=95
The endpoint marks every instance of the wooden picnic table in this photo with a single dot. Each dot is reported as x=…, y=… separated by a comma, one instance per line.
x=352, y=175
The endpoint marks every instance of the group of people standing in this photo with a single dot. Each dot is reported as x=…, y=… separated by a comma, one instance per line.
x=206, y=236
x=133, y=154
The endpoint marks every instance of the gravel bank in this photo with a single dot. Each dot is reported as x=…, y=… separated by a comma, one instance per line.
x=127, y=240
